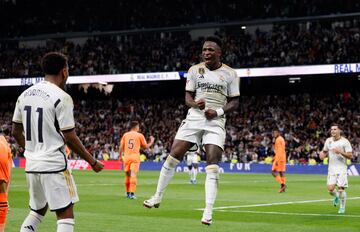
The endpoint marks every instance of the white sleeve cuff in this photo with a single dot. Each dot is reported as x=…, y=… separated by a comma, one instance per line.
x=220, y=112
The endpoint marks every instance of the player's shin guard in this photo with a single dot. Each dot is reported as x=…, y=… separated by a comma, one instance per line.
x=342, y=196
x=211, y=186
x=65, y=225
x=31, y=221
x=133, y=183
x=166, y=174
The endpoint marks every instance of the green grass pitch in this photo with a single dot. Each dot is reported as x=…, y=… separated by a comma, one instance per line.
x=103, y=207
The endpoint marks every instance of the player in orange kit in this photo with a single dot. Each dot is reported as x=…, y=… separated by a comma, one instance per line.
x=130, y=145
x=5, y=170
x=279, y=163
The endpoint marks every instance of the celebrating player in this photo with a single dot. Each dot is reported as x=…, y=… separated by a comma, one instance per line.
x=130, y=145
x=44, y=112
x=212, y=89
x=338, y=149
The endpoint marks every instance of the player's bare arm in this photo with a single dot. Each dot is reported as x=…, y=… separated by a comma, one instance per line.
x=73, y=141
x=323, y=154
x=339, y=151
x=190, y=102
x=17, y=132
x=152, y=140
x=232, y=105
x=121, y=150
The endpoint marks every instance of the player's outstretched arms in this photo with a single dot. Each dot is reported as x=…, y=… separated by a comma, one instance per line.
x=73, y=141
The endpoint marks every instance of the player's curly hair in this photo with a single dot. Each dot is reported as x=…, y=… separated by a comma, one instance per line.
x=214, y=39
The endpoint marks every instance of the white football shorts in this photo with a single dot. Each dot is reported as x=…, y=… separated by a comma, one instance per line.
x=191, y=131
x=56, y=189
x=339, y=180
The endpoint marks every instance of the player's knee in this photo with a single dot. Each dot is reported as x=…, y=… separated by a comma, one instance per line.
x=212, y=168
x=171, y=161
x=41, y=212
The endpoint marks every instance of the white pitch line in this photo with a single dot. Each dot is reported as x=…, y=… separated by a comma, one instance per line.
x=78, y=185
x=292, y=214
x=276, y=203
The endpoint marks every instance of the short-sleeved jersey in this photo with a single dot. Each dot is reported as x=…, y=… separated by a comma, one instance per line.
x=131, y=142
x=5, y=159
x=215, y=86
x=45, y=110
x=337, y=162
x=279, y=148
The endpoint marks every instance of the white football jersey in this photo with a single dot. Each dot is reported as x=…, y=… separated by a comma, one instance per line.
x=44, y=110
x=337, y=162
x=215, y=86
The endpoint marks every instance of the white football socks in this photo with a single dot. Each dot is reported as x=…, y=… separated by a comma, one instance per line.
x=65, y=225
x=31, y=221
x=334, y=193
x=166, y=174
x=211, y=186
x=195, y=171
x=342, y=199
x=191, y=173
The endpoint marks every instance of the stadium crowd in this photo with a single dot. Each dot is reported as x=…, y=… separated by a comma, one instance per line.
x=304, y=120
x=284, y=45
x=126, y=15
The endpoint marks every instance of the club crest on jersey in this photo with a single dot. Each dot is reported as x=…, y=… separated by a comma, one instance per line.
x=201, y=72
x=222, y=78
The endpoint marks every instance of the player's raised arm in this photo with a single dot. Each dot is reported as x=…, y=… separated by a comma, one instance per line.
x=73, y=141
x=152, y=139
